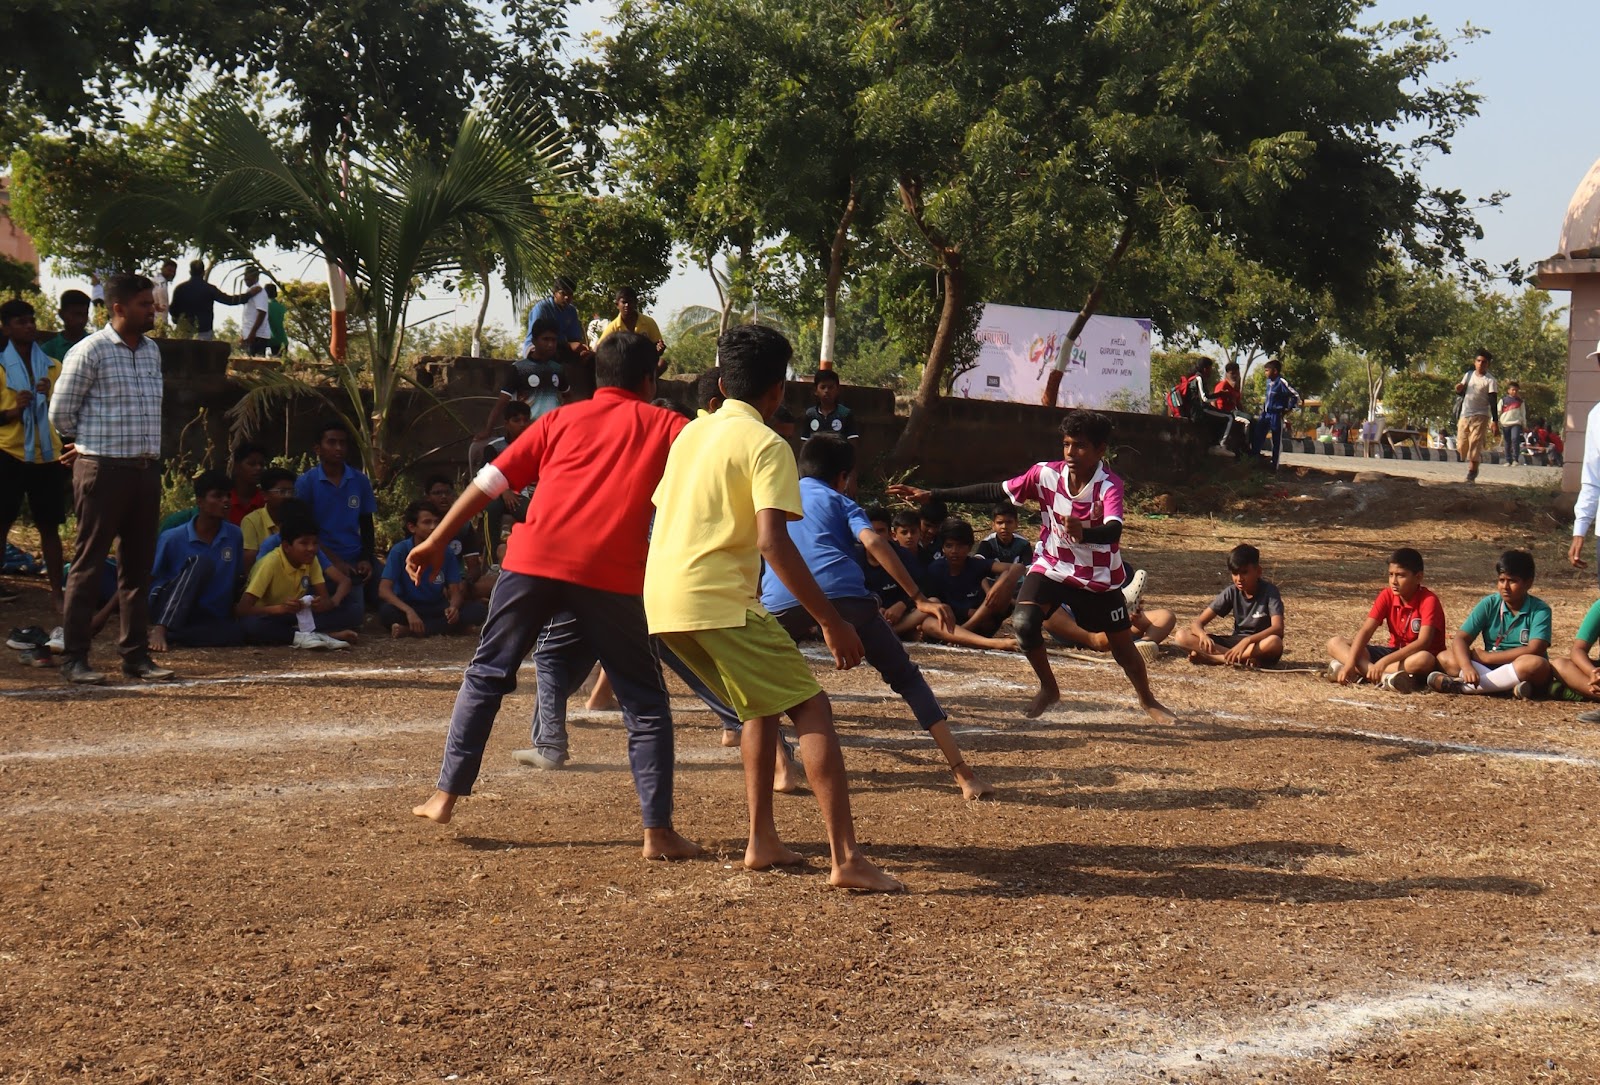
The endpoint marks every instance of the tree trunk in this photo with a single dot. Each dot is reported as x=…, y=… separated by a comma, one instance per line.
x=1052, y=385
x=483, y=311
x=830, y=297
x=724, y=293
x=939, y=355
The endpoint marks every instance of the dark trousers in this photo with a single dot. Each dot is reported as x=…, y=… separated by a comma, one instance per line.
x=115, y=501
x=175, y=607
x=561, y=661
x=1268, y=425
x=432, y=615
x=1513, y=436
x=883, y=650
x=276, y=630
x=614, y=627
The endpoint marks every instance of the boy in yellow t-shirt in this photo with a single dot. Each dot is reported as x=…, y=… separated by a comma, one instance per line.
x=728, y=493
x=286, y=591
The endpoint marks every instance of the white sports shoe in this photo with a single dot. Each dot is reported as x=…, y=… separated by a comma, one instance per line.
x=333, y=644
x=58, y=640
x=1134, y=590
x=1149, y=650
x=312, y=641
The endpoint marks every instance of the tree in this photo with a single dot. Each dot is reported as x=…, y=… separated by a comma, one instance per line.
x=605, y=242
x=393, y=222
x=16, y=277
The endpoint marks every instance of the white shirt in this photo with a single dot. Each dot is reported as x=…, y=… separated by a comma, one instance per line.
x=254, y=304
x=1589, y=490
x=108, y=397
x=1480, y=394
x=163, y=289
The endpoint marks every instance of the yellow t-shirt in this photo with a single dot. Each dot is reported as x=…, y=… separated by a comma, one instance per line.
x=257, y=526
x=274, y=580
x=12, y=435
x=643, y=326
x=704, y=569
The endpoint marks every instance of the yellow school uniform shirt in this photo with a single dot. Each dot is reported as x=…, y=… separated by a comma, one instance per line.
x=274, y=580
x=11, y=435
x=643, y=326
x=704, y=569
x=257, y=525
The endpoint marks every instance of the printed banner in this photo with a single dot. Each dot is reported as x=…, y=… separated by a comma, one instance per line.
x=1109, y=368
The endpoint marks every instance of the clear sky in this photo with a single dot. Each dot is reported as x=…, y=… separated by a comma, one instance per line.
x=1536, y=136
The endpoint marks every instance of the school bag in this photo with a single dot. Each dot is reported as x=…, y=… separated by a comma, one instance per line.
x=1177, y=398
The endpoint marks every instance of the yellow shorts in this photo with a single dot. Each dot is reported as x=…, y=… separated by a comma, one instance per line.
x=1472, y=433
x=755, y=667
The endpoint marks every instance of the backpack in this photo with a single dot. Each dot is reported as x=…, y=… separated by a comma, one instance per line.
x=1177, y=399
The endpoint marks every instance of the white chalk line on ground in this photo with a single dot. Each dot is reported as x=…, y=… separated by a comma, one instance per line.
x=1313, y=1029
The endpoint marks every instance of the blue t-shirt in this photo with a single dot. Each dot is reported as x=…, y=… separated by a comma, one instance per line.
x=338, y=509
x=1504, y=629
x=963, y=591
x=826, y=539
x=428, y=592
x=177, y=545
x=884, y=586
x=564, y=316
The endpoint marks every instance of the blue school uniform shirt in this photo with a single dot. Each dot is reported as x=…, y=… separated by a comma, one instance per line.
x=429, y=591
x=177, y=545
x=826, y=538
x=338, y=509
x=884, y=586
x=963, y=591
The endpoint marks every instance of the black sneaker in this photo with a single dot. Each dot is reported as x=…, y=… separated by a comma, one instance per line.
x=1591, y=716
x=78, y=673
x=1440, y=682
x=36, y=657
x=27, y=637
x=145, y=669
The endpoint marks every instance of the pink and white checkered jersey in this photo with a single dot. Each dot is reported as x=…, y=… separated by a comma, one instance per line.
x=1091, y=566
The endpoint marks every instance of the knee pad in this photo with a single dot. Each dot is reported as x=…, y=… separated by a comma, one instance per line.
x=1027, y=622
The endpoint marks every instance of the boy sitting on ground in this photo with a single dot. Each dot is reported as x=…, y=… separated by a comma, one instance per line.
x=827, y=537
x=287, y=592
x=196, y=568
x=901, y=532
x=1150, y=626
x=476, y=578
x=1416, y=633
x=277, y=486
x=931, y=516
x=437, y=604
x=1257, y=609
x=1576, y=670
x=1003, y=545
x=975, y=588
x=343, y=504
x=1516, y=635
x=513, y=504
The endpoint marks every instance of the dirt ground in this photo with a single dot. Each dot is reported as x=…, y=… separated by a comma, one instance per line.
x=219, y=880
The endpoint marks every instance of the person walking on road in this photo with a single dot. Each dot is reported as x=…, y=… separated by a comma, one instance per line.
x=107, y=408
x=1479, y=407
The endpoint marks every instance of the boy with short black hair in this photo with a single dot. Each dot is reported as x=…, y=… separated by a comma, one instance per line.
x=832, y=528
x=249, y=464
x=978, y=590
x=729, y=490
x=342, y=505
x=901, y=531
x=1516, y=635
x=30, y=447
x=439, y=491
x=708, y=392
x=1415, y=618
x=827, y=414
x=1003, y=544
x=931, y=515
x=196, y=568
x=346, y=611
x=537, y=381
x=1257, y=610
x=74, y=314
x=437, y=604
x=1078, y=562
x=287, y=590
x=277, y=486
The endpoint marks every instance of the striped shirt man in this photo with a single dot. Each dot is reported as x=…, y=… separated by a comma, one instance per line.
x=107, y=401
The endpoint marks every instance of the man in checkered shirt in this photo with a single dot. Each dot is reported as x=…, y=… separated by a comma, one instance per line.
x=107, y=408
x=1078, y=563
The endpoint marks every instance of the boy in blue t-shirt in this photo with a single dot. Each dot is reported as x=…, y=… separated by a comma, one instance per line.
x=196, y=569
x=436, y=606
x=827, y=537
x=1516, y=635
x=1003, y=544
x=980, y=591
x=342, y=506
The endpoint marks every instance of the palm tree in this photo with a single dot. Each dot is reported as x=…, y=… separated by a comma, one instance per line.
x=390, y=222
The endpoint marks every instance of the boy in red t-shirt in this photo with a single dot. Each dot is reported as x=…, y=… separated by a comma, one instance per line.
x=1415, y=619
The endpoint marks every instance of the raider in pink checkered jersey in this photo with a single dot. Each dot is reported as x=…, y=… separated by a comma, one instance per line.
x=1078, y=564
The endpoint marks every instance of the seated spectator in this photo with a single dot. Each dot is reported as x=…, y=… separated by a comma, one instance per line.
x=1416, y=633
x=277, y=487
x=1257, y=610
x=827, y=414
x=512, y=504
x=1515, y=627
x=194, y=575
x=342, y=506
x=434, y=607
x=1576, y=671
x=1150, y=626
x=1194, y=392
x=931, y=517
x=467, y=546
x=975, y=588
x=901, y=531
x=249, y=465
x=1003, y=544
x=287, y=593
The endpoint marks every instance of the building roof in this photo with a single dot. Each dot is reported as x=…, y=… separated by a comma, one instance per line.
x=1580, y=233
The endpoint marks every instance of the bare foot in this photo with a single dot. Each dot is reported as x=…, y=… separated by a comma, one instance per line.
x=157, y=639
x=859, y=874
x=607, y=703
x=786, y=778
x=58, y=603
x=1001, y=644
x=669, y=844
x=439, y=807
x=765, y=856
x=1160, y=712
x=972, y=787
x=349, y=636
x=730, y=737
x=398, y=630
x=1041, y=701
x=1196, y=657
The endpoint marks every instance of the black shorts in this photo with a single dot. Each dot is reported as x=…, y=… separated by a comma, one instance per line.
x=1094, y=611
x=1377, y=652
x=43, y=484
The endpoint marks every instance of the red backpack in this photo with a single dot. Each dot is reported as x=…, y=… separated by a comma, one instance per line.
x=1177, y=399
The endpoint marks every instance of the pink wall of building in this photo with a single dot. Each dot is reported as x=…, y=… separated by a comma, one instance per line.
x=14, y=242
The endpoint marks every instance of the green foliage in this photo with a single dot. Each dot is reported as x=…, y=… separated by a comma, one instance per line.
x=604, y=242
x=17, y=278
x=1418, y=400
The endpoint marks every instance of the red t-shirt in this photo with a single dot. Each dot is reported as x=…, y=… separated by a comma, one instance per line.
x=1225, y=396
x=1405, y=620
x=597, y=463
x=239, y=508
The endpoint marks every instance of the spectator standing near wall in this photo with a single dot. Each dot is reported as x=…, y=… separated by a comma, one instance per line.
x=1589, y=490
x=107, y=408
x=194, y=298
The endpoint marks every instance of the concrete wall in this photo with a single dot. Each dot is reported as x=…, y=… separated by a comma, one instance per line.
x=1583, y=375
x=969, y=440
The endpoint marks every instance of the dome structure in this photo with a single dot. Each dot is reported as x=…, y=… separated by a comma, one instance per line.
x=1580, y=233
